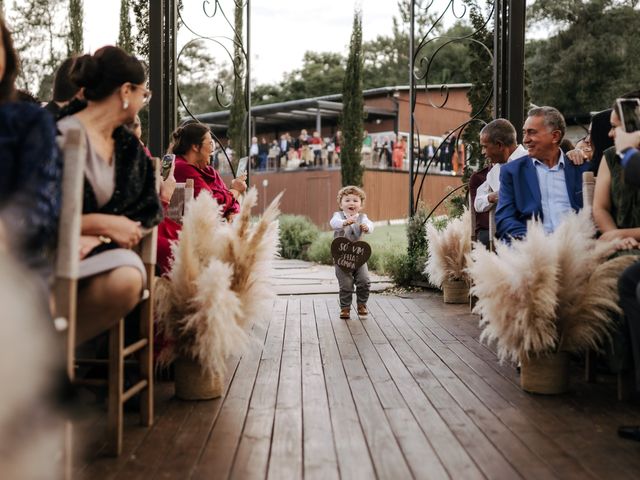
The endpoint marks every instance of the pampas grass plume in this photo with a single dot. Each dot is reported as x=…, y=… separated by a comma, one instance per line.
x=547, y=293
x=218, y=283
x=448, y=250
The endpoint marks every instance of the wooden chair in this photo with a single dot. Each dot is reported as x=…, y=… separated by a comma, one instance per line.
x=65, y=291
x=179, y=203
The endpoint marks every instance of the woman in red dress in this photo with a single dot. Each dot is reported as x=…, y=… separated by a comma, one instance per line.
x=192, y=146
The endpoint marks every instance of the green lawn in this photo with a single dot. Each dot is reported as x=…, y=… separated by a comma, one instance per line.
x=388, y=238
x=386, y=241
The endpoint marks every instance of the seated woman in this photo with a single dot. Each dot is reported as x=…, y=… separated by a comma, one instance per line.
x=120, y=199
x=31, y=173
x=192, y=146
x=616, y=205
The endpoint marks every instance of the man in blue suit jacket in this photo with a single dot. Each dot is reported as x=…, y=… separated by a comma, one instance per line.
x=544, y=184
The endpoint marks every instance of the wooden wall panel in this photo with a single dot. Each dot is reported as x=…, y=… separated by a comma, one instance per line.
x=313, y=192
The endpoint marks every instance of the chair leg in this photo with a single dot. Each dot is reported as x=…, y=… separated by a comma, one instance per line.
x=116, y=389
x=145, y=356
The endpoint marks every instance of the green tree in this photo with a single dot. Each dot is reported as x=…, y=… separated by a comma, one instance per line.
x=480, y=94
x=125, y=40
x=203, y=82
x=237, y=132
x=353, y=109
x=40, y=37
x=590, y=60
x=141, y=41
x=75, y=42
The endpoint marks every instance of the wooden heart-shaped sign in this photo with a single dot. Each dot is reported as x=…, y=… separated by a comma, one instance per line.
x=349, y=255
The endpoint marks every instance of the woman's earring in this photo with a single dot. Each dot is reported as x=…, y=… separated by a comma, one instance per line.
x=125, y=104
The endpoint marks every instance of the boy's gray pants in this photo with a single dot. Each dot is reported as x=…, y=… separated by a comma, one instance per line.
x=346, y=281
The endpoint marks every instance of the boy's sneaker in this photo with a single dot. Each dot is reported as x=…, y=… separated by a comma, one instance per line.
x=362, y=310
x=344, y=313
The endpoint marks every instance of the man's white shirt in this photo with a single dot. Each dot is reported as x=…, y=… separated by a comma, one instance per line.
x=492, y=183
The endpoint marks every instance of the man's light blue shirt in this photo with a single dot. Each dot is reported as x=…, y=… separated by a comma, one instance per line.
x=553, y=193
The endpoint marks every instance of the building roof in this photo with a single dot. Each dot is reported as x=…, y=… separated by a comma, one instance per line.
x=328, y=106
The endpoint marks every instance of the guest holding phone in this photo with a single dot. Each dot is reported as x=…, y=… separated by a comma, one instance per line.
x=616, y=204
x=192, y=146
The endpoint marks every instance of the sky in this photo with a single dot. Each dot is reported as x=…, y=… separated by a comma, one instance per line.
x=281, y=30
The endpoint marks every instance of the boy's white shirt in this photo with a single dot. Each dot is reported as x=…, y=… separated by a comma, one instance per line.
x=337, y=221
x=492, y=183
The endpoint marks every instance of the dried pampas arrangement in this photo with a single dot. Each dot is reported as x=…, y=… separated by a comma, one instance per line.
x=218, y=282
x=547, y=293
x=448, y=249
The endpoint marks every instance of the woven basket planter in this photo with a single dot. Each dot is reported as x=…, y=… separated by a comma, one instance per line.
x=545, y=374
x=192, y=382
x=455, y=291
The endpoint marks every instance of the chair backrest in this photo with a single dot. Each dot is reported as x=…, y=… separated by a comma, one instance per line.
x=588, y=186
x=179, y=203
x=67, y=254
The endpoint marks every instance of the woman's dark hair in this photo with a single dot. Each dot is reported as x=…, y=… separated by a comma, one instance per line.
x=8, y=80
x=63, y=88
x=186, y=136
x=600, y=140
x=105, y=71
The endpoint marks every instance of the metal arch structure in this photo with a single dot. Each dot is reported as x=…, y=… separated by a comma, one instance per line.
x=165, y=20
x=507, y=58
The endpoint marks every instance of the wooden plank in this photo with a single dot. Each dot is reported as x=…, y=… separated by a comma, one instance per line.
x=386, y=454
x=320, y=460
x=419, y=454
x=475, y=440
x=553, y=425
x=477, y=398
x=219, y=451
x=286, y=445
x=252, y=458
x=354, y=460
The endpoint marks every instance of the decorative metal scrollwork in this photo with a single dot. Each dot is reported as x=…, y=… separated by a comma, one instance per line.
x=229, y=45
x=421, y=76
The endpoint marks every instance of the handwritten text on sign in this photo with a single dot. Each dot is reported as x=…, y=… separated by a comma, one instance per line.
x=350, y=255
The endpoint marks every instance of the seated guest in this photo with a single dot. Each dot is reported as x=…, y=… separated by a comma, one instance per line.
x=616, y=204
x=482, y=218
x=498, y=142
x=627, y=145
x=31, y=172
x=192, y=146
x=541, y=185
x=120, y=198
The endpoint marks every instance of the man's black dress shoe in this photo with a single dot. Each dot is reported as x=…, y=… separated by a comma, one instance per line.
x=630, y=432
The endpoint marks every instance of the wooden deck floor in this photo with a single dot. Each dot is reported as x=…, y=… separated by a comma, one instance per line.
x=408, y=392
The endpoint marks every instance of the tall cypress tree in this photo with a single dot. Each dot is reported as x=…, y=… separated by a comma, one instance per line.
x=481, y=91
x=353, y=109
x=237, y=115
x=75, y=43
x=125, y=41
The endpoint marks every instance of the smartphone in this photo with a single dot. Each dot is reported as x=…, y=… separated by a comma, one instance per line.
x=242, y=166
x=167, y=161
x=629, y=109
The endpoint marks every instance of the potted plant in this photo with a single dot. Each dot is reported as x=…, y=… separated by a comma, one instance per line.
x=218, y=283
x=546, y=296
x=447, y=258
